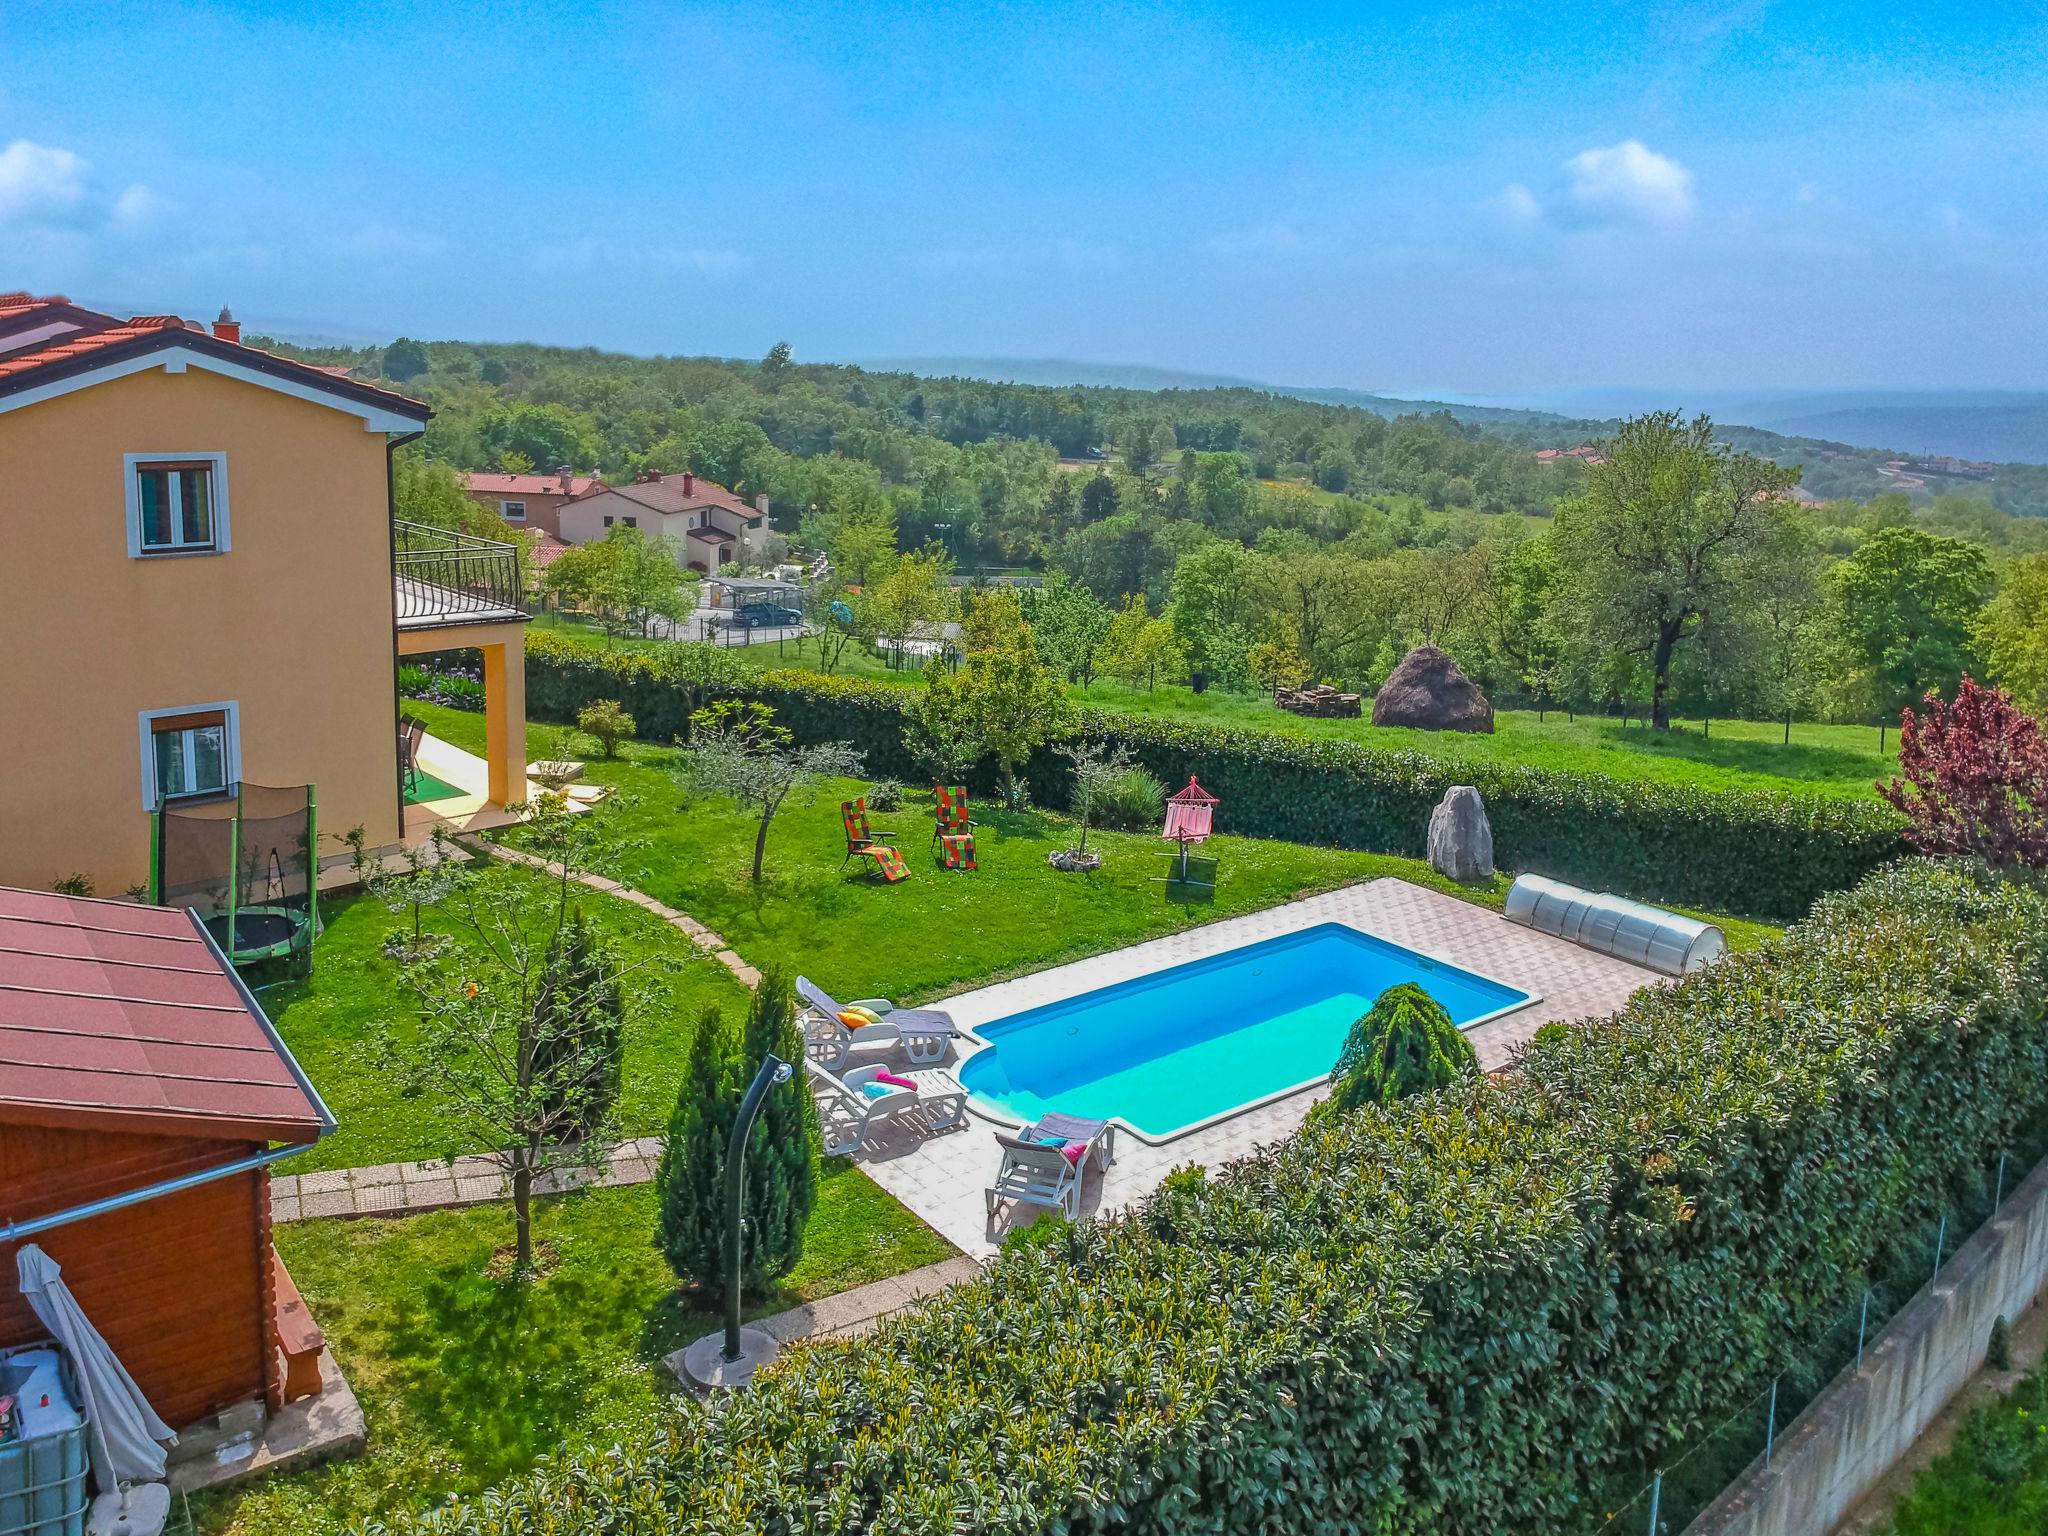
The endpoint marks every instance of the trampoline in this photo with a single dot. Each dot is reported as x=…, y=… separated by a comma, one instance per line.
x=243, y=862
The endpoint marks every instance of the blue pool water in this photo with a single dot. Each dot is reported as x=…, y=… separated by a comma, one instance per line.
x=1168, y=1051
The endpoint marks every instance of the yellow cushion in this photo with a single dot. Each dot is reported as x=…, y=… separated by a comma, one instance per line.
x=854, y=1018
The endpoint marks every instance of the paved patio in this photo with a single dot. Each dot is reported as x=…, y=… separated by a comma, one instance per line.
x=942, y=1177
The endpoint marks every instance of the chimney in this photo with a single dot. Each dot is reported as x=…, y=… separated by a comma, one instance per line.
x=568, y=481
x=227, y=327
x=689, y=484
x=761, y=504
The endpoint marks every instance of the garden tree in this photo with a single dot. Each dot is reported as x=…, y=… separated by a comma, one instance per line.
x=1276, y=662
x=1405, y=1044
x=420, y=878
x=1067, y=624
x=1901, y=617
x=1139, y=646
x=496, y=1039
x=1219, y=493
x=579, y=1049
x=607, y=720
x=863, y=549
x=1139, y=444
x=1061, y=506
x=782, y=1150
x=734, y=454
x=1973, y=778
x=404, y=360
x=776, y=368
x=2013, y=632
x=1333, y=600
x=626, y=580
x=689, y=1181
x=738, y=749
x=1001, y=696
x=1093, y=769
x=911, y=599
x=1671, y=530
x=1115, y=557
x=1213, y=611
x=1780, y=622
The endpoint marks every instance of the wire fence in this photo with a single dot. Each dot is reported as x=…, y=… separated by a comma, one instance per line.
x=1666, y=1497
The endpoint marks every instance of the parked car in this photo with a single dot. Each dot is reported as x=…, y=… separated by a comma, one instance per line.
x=765, y=616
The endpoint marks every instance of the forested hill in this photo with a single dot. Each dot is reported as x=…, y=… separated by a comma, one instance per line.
x=552, y=406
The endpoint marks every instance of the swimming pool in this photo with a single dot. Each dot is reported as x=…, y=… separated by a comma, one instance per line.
x=1167, y=1053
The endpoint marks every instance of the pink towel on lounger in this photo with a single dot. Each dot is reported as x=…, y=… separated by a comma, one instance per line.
x=900, y=1082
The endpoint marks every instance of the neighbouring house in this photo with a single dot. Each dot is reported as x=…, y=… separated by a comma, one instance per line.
x=530, y=501
x=143, y=1098
x=206, y=586
x=712, y=528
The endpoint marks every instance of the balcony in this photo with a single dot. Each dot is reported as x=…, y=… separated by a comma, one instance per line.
x=445, y=578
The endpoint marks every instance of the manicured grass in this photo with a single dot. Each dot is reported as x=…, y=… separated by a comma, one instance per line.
x=1994, y=1482
x=466, y=1378
x=334, y=1021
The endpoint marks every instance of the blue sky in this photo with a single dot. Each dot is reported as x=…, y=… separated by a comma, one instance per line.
x=1476, y=198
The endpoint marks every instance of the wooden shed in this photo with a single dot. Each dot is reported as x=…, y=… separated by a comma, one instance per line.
x=143, y=1095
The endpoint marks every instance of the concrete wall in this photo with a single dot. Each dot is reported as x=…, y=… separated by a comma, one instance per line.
x=1869, y=1417
x=293, y=623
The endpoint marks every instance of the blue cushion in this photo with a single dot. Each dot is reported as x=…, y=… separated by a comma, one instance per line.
x=878, y=1090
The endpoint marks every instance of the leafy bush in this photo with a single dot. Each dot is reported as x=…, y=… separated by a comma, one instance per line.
x=885, y=794
x=1129, y=800
x=1467, y=1311
x=1404, y=1044
x=579, y=1051
x=1973, y=778
x=606, y=720
x=1752, y=853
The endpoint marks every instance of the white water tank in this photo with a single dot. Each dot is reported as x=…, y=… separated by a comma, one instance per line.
x=1628, y=930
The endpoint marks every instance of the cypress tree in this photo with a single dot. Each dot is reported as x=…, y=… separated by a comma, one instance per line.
x=689, y=1183
x=578, y=1051
x=782, y=1153
x=1405, y=1044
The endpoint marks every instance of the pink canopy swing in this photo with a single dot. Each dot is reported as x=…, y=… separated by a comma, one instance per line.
x=1190, y=817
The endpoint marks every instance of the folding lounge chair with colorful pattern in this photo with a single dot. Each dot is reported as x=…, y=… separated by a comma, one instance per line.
x=951, y=833
x=861, y=842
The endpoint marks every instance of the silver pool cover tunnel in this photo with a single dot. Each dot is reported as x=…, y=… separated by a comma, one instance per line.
x=1614, y=925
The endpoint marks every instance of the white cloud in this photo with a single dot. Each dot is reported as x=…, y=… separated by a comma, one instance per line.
x=1631, y=183
x=1515, y=204
x=40, y=185
x=139, y=205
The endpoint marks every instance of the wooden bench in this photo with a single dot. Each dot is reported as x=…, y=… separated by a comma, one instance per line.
x=299, y=1338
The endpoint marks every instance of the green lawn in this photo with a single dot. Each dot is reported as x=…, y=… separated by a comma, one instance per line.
x=467, y=1378
x=332, y=1022
x=1994, y=1482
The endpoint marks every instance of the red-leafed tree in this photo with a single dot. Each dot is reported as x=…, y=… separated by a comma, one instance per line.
x=1973, y=778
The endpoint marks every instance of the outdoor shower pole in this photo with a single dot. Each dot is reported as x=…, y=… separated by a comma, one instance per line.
x=773, y=1070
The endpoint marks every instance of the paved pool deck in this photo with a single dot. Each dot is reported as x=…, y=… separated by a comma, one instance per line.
x=942, y=1177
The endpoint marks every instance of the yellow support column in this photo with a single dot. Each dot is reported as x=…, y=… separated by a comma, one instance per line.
x=505, y=719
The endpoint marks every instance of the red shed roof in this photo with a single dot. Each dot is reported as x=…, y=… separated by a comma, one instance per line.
x=124, y=1017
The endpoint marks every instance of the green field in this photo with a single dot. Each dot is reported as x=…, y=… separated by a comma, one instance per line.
x=1833, y=760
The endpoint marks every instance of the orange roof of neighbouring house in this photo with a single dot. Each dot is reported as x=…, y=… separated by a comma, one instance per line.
x=45, y=339
x=494, y=484
x=123, y=1017
x=544, y=550
x=681, y=493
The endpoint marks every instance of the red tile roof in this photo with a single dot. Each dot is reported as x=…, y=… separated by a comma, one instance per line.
x=87, y=334
x=123, y=1017
x=669, y=494
x=544, y=550
x=529, y=485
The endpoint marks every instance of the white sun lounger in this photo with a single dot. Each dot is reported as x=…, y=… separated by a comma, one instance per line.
x=1036, y=1171
x=923, y=1033
x=846, y=1114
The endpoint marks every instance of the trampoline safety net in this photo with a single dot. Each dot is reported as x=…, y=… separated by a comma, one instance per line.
x=245, y=864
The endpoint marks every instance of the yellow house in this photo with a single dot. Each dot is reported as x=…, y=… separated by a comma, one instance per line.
x=202, y=583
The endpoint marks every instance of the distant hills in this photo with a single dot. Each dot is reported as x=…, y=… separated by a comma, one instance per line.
x=1992, y=426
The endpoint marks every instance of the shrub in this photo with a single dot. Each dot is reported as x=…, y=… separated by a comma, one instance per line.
x=1998, y=1351
x=1468, y=1311
x=1973, y=778
x=579, y=1048
x=608, y=721
x=885, y=794
x=1404, y=1044
x=1129, y=800
x=1747, y=852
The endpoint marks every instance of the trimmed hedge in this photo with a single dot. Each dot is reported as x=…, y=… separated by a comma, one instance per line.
x=1758, y=854
x=1462, y=1313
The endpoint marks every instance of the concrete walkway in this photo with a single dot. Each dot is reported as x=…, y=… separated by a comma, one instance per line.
x=400, y=1189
